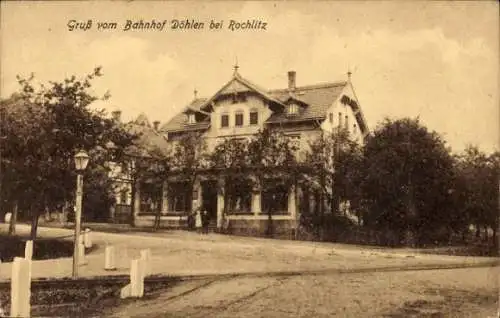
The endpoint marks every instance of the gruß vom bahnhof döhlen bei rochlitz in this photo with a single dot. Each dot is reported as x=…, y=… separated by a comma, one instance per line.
x=174, y=24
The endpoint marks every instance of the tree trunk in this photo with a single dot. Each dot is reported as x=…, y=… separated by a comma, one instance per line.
x=34, y=223
x=478, y=231
x=297, y=209
x=269, y=230
x=13, y=220
x=156, y=225
x=65, y=209
x=494, y=236
x=132, y=203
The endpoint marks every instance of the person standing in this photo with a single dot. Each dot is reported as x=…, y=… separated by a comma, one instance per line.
x=198, y=221
x=205, y=220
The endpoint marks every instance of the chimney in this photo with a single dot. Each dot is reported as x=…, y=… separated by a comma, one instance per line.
x=291, y=80
x=156, y=124
x=116, y=115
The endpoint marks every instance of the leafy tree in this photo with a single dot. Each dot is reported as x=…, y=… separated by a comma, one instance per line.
x=408, y=182
x=248, y=163
x=335, y=159
x=229, y=159
x=54, y=122
x=479, y=173
x=273, y=158
x=189, y=159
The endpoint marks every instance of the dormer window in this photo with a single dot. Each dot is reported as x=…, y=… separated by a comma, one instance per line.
x=191, y=119
x=293, y=109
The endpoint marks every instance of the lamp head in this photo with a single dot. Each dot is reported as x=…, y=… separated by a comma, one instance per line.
x=81, y=160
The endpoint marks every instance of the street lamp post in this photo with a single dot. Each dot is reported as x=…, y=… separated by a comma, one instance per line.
x=81, y=161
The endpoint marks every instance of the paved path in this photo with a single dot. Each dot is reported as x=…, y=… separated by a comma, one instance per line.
x=187, y=253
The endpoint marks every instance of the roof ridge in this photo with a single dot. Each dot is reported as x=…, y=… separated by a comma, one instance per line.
x=312, y=86
x=298, y=88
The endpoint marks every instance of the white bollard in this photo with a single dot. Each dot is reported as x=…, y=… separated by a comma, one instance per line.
x=109, y=258
x=87, y=240
x=146, y=257
x=125, y=292
x=137, y=278
x=20, y=288
x=28, y=255
x=8, y=217
x=28, y=250
x=81, y=255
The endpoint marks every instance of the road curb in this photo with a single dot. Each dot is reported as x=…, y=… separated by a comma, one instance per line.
x=186, y=277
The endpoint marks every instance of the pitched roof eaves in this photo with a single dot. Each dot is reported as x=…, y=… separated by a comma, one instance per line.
x=297, y=119
x=362, y=120
x=186, y=129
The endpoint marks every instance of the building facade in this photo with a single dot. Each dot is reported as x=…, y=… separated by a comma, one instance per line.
x=240, y=109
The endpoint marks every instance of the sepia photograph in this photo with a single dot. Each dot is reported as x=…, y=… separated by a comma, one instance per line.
x=249, y=159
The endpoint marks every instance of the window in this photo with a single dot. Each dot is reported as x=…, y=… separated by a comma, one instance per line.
x=340, y=121
x=331, y=118
x=274, y=197
x=224, y=121
x=238, y=120
x=346, y=122
x=293, y=109
x=150, y=197
x=354, y=128
x=239, y=98
x=123, y=197
x=191, y=119
x=254, y=117
x=239, y=195
x=179, y=197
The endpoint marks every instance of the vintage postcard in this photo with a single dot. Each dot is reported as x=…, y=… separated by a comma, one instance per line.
x=249, y=159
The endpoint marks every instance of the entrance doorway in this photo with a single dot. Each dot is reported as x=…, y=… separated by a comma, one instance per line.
x=209, y=198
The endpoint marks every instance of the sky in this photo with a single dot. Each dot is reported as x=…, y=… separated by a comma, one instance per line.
x=437, y=61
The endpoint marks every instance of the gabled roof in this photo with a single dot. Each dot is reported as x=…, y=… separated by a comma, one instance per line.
x=292, y=98
x=142, y=120
x=237, y=79
x=179, y=121
x=149, y=141
x=313, y=99
x=318, y=98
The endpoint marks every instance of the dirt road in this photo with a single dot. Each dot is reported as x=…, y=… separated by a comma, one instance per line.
x=435, y=293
